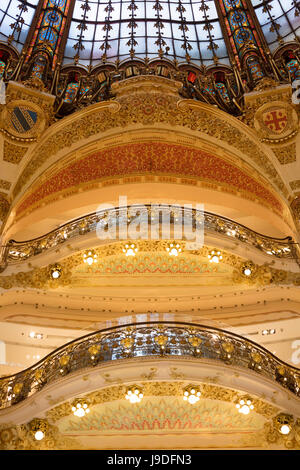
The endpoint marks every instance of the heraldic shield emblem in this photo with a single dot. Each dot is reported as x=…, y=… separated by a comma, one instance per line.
x=23, y=119
x=276, y=120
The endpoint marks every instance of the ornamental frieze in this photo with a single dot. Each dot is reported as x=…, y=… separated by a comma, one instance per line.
x=71, y=273
x=63, y=430
x=286, y=153
x=13, y=153
x=158, y=158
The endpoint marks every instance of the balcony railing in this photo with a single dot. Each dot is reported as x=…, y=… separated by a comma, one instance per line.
x=286, y=248
x=155, y=340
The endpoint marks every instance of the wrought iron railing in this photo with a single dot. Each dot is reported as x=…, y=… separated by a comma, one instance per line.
x=284, y=248
x=148, y=340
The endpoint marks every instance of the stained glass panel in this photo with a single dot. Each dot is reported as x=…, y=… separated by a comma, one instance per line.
x=279, y=20
x=15, y=20
x=172, y=28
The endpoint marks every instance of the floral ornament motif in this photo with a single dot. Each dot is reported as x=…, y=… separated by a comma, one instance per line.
x=82, y=26
x=159, y=25
x=19, y=22
x=208, y=27
x=184, y=29
x=132, y=25
x=107, y=28
x=9, y=438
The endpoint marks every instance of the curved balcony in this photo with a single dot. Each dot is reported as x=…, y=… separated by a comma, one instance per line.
x=286, y=248
x=149, y=341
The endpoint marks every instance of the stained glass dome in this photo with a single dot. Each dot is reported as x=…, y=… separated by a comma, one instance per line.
x=147, y=27
x=184, y=30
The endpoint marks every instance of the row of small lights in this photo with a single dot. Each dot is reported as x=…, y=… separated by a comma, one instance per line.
x=191, y=394
x=174, y=249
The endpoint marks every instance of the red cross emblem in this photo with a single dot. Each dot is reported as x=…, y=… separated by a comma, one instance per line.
x=276, y=120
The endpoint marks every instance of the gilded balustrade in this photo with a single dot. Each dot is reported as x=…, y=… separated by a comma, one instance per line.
x=213, y=224
x=148, y=340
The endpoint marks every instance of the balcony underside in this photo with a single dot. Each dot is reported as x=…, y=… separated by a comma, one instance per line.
x=162, y=420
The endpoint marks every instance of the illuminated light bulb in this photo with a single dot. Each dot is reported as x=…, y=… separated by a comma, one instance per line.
x=285, y=429
x=55, y=271
x=215, y=257
x=32, y=334
x=55, y=274
x=89, y=257
x=79, y=412
x=130, y=250
x=173, y=249
x=80, y=408
x=134, y=396
x=247, y=272
x=193, y=399
x=39, y=435
x=244, y=406
x=244, y=410
x=192, y=395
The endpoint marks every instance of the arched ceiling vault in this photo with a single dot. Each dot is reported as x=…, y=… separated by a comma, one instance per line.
x=153, y=137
